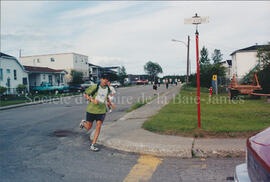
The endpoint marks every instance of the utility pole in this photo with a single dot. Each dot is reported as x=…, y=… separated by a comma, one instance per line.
x=20, y=53
x=187, y=79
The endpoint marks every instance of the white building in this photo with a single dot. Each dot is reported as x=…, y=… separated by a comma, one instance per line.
x=228, y=68
x=66, y=61
x=244, y=60
x=12, y=73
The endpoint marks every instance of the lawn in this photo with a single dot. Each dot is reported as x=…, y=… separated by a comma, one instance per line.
x=12, y=102
x=220, y=117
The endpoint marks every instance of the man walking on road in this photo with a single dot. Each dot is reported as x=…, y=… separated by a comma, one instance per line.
x=96, y=110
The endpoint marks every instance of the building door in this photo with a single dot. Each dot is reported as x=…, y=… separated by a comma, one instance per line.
x=50, y=79
x=8, y=82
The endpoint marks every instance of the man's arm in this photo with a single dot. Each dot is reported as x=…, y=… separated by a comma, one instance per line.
x=88, y=91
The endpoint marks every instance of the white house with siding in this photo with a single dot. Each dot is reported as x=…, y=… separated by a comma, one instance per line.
x=66, y=61
x=244, y=60
x=12, y=73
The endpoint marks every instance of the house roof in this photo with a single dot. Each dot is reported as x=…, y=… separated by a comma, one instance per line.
x=93, y=65
x=6, y=56
x=54, y=54
x=251, y=48
x=35, y=69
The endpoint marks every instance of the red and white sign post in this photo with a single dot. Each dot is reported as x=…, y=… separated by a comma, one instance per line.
x=196, y=20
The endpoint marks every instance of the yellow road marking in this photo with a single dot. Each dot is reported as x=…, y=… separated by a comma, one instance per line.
x=144, y=169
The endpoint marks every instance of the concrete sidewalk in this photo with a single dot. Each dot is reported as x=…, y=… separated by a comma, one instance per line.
x=126, y=134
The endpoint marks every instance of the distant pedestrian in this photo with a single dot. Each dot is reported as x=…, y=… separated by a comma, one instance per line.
x=155, y=88
x=96, y=110
x=110, y=104
x=158, y=82
x=167, y=83
x=175, y=80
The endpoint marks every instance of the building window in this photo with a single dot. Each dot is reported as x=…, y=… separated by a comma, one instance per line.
x=24, y=80
x=44, y=76
x=52, y=60
x=38, y=61
x=15, y=74
x=1, y=74
x=8, y=70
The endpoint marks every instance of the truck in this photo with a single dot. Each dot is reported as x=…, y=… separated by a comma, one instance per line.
x=48, y=87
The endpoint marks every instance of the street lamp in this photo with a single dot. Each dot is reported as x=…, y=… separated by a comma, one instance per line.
x=187, y=45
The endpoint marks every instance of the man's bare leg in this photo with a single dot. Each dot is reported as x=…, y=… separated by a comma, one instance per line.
x=87, y=125
x=98, y=128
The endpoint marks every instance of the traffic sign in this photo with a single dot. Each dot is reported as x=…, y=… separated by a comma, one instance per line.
x=196, y=20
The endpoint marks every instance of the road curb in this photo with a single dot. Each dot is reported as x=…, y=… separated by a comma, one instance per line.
x=222, y=147
x=34, y=103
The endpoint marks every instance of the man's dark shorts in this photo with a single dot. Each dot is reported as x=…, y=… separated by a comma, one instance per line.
x=94, y=117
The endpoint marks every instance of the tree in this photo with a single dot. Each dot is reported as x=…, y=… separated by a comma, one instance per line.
x=76, y=77
x=152, y=69
x=207, y=70
x=122, y=75
x=217, y=56
x=264, y=78
x=263, y=54
x=204, y=56
x=264, y=75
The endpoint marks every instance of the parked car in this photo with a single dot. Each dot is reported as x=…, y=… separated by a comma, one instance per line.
x=48, y=87
x=115, y=84
x=138, y=82
x=76, y=88
x=87, y=84
x=257, y=166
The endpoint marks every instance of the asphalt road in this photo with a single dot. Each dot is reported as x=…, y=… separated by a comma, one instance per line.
x=31, y=149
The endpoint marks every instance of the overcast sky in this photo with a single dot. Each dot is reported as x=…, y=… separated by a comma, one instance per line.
x=131, y=33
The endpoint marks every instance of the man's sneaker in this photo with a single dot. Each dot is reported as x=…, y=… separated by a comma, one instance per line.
x=81, y=124
x=93, y=148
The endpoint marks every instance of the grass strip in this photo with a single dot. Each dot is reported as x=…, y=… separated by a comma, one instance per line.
x=220, y=116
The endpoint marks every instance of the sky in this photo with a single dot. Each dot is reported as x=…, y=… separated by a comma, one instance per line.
x=131, y=33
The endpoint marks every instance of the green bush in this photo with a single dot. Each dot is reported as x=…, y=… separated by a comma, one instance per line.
x=21, y=88
x=2, y=90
